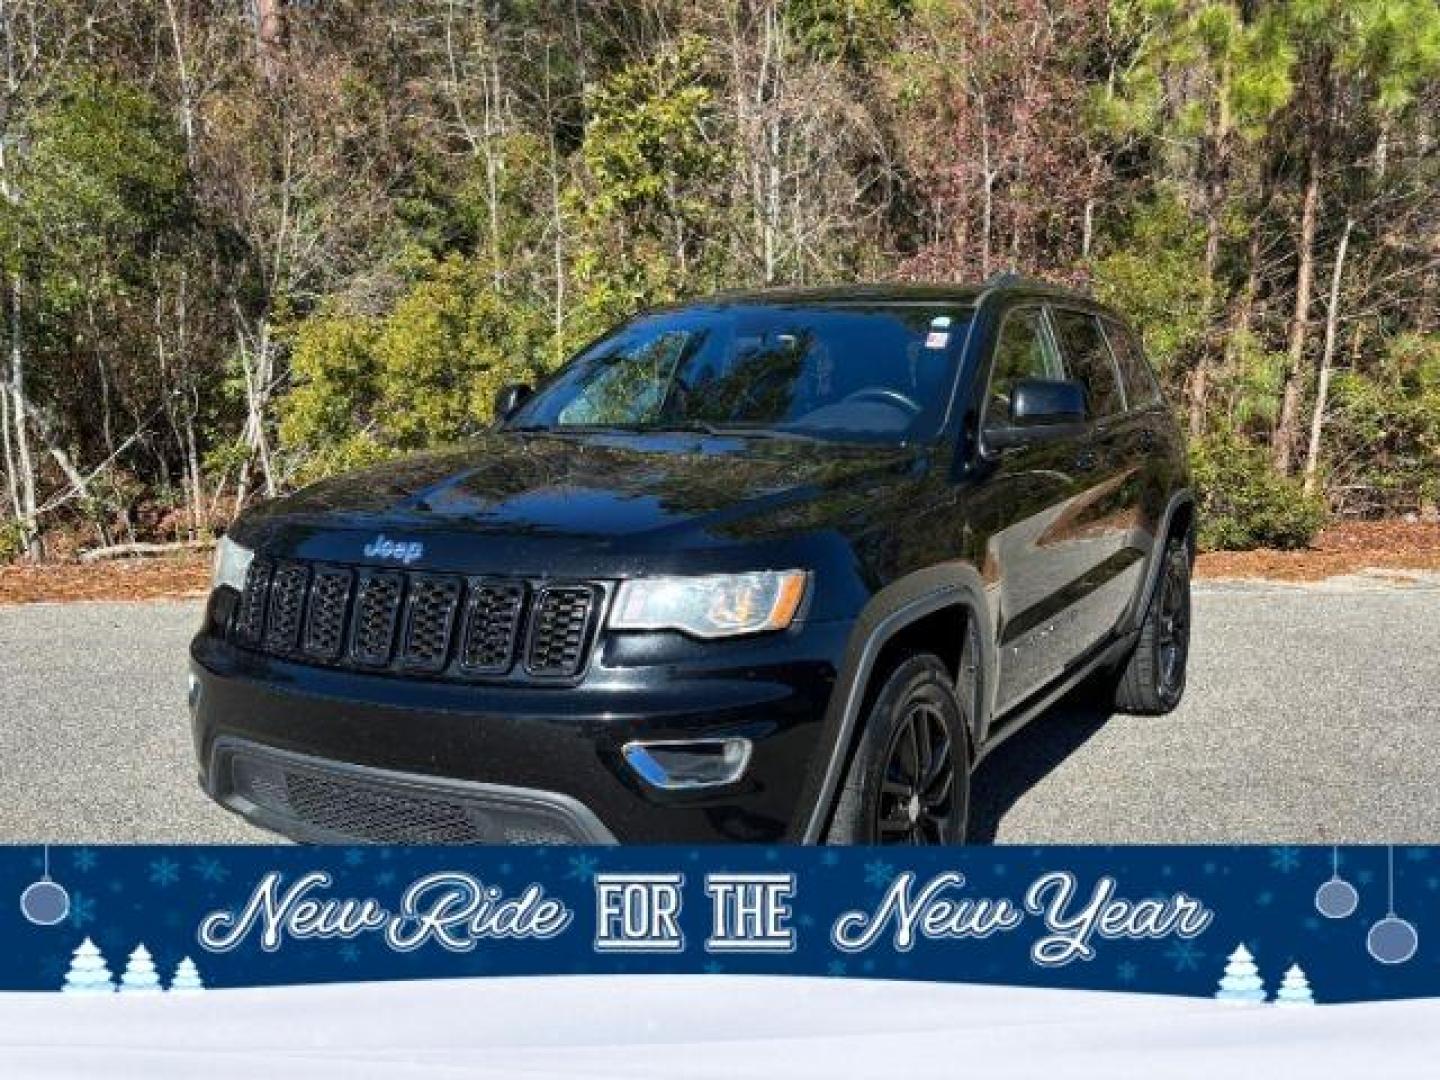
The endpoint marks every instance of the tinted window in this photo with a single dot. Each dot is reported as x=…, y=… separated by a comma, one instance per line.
x=837, y=371
x=1022, y=352
x=1087, y=358
x=1140, y=386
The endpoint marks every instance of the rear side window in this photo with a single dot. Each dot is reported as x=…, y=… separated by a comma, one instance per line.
x=1022, y=351
x=1087, y=359
x=1141, y=388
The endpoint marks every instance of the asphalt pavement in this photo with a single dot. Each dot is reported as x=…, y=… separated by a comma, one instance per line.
x=1312, y=716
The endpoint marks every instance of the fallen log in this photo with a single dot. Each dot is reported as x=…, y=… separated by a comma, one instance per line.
x=140, y=550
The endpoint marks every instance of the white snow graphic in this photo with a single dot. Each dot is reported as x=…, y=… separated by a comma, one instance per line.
x=699, y=1027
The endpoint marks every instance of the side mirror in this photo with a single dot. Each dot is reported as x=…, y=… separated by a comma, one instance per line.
x=1041, y=410
x=509, y=398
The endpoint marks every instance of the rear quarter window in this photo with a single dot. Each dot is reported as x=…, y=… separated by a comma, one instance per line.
x=1140, y=386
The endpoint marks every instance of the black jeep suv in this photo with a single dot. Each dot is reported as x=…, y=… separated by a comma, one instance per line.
x=775, y=566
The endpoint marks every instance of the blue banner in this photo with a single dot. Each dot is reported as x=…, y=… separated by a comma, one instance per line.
x=1199, y=921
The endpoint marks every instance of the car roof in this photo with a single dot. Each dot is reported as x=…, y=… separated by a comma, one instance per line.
x=883, y=293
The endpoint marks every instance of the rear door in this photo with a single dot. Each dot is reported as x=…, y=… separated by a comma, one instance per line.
x=1103, y=522
x=1021, y=494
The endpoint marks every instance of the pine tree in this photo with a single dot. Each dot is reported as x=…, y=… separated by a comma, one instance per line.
x=1294, y=988
x=140, y=976
x=88, y=973
x=186, y=979
x=1242, y=980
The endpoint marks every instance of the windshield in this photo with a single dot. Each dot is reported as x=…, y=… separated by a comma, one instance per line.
x=875, y=372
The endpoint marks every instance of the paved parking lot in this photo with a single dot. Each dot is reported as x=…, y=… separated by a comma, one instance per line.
x=1313, y=715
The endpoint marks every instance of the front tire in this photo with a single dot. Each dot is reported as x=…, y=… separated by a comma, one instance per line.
x=909, y=782
x=1153, y=680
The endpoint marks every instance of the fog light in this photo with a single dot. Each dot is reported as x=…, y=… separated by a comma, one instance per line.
x=698, y=763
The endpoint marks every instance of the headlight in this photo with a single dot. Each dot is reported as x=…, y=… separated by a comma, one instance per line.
x=231, y=562
x=713, y=606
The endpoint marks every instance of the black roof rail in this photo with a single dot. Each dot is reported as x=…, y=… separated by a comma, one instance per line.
x=1010, y=278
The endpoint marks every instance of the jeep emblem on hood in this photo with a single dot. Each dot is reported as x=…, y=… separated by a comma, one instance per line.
x=381, y=548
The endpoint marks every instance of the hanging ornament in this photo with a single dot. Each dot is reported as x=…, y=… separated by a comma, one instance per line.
x=1392, y=940
x=1336, y=898
x=45, y=902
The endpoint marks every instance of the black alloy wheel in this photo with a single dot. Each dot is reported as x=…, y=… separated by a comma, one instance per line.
x=916, y=801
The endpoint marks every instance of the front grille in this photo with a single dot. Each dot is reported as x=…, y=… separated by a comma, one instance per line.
x=560, y=630
x=478, y=628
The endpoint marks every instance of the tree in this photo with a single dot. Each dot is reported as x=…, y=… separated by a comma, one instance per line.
x=1294, y=988
x=1242, y=980
x=187, y=978
x=140, y=976
x=88, y=973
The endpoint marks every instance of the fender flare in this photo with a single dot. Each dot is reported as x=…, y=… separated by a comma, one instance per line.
x=891, y=610
x=1141, y=604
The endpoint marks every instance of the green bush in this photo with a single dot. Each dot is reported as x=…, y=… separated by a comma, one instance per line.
x=12, y=541
x=1245, y=503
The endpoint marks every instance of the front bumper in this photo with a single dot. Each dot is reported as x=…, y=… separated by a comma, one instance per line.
x=333, y=756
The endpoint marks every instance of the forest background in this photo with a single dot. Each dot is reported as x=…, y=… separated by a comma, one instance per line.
x=246, y=243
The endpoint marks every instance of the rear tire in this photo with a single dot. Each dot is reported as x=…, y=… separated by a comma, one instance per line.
x=1153, y=679
x=909, y=782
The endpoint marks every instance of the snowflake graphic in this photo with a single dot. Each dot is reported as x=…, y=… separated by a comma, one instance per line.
x=1185, y=956
x=1127, y=972
x=82, y=909
x=164, y=872
x=349, y=953
x=385, y=878
x=84, y=859
x=714, y=967
x=210, y=869
x=878, y=874
x=582, y=867
x=1285, y=859
x=1265, y=899
x=835, y=968
x=354, y=856
x=830, y=858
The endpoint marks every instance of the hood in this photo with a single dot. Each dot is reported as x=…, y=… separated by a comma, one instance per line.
x=653, y=489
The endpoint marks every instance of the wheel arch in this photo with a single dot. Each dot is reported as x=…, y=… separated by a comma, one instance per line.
x=910, y=614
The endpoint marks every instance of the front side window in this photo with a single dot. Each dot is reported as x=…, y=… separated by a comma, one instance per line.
x=1087, y=360
x=837, y=371
x=1022, y=351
